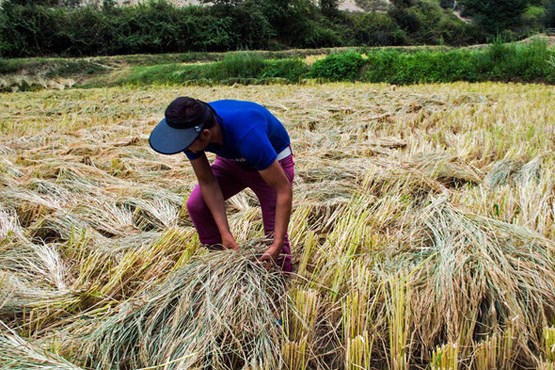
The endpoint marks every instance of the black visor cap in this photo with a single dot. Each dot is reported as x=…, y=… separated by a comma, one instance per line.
x=175, y=137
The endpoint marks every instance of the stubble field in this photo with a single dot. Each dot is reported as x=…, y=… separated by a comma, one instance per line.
x=422, y=233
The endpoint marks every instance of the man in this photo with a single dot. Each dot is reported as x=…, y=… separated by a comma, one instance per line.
x=252, y=150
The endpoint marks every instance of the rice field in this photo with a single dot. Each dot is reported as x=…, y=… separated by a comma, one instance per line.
x=422, y=230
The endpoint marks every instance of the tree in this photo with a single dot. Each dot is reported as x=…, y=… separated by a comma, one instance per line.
x=550, y=14
x=222, y=2
x=329, y=7
x=33, y=2
x=495, y=16
x=402, y=4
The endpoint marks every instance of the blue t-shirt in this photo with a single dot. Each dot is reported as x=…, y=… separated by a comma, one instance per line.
x=252, y=136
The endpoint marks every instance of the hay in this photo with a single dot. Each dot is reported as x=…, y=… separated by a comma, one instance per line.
x=475, y=278
x=514, y=172
x=217, y=311
x=19, y=354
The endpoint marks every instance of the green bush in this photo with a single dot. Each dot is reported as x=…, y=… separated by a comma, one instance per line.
x=338, y=67
x=251, y=28
x=164, y=74
x=499, y=62
x=550, y=14
x=238, y=65
x=381, y=66
x=315, y=35
x=528, y=63
x=292, y=70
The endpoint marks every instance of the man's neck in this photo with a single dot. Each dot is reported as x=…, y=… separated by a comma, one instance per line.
x=217, y=134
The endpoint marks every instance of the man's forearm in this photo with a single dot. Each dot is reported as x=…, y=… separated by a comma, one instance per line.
x=213, y=197
x=283, y=213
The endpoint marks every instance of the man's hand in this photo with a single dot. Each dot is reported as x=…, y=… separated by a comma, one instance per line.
x=269, y=258
x=229, y=242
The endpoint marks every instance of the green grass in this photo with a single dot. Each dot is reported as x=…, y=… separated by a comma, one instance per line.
x=516, y=62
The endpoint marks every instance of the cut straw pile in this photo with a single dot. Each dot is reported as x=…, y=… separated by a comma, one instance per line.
x=20, y=354
x=219, y=311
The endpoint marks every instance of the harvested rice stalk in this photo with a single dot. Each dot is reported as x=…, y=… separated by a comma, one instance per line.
x=217, y=311
x=514, y=172
x=485, y=355
x=301, y=315
x=295, y=354
x=475, y=276
x=357, y=307
x=147, y=263
x=18, y=354
x=546, y=366
x=398, y=299
x=549, y=340
x=448, y=170
x=9, y=223
x=358, y=352
x=445, y=357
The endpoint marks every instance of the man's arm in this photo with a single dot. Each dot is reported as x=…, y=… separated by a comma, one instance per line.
x=213, y=197
x=276, y=178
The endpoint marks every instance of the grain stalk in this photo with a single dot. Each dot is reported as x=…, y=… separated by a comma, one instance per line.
x=445, y=357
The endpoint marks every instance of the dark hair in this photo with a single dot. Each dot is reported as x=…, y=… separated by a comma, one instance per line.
x=186, y=112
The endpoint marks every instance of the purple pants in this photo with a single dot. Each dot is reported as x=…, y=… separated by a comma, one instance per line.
x=233, y=179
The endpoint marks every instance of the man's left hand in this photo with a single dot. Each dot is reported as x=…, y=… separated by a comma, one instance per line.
x=269, y=258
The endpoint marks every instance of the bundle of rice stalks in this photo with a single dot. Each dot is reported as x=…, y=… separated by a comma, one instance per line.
x=514, y=172
x=218, y=311
x=448, y=170
x=9, y=223
x=475, y=278
x=16, y=354
x=399, y=179
x=33, y=284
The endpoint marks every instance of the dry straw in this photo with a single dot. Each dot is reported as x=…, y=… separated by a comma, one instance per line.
x=478, y=279
x=18, y=354
x=90, y=217
x=220, y=310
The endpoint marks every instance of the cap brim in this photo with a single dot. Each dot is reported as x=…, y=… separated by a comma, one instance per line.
x=167, y=140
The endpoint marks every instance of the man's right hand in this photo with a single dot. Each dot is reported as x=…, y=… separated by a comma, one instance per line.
x=229, y=242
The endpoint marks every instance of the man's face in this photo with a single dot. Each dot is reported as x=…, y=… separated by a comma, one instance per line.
x=201, y=142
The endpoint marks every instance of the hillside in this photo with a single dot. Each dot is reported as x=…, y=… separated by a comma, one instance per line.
x=347, y=5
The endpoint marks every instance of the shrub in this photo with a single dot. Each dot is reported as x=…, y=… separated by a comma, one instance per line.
x=499, y=62
x=293, y=70
x=381, y=66
x=338, y=67
x=164, y=74
x=251, y=29
x=550, y=14
x=238, y=65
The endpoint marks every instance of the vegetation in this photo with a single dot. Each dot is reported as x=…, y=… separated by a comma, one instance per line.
x=422, y=231
x=39, y=28
x=532, y=61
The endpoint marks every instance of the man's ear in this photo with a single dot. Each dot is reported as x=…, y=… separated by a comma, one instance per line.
x=205, y=133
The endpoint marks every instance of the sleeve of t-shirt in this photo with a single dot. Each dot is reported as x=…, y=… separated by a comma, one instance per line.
x=256, y=148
